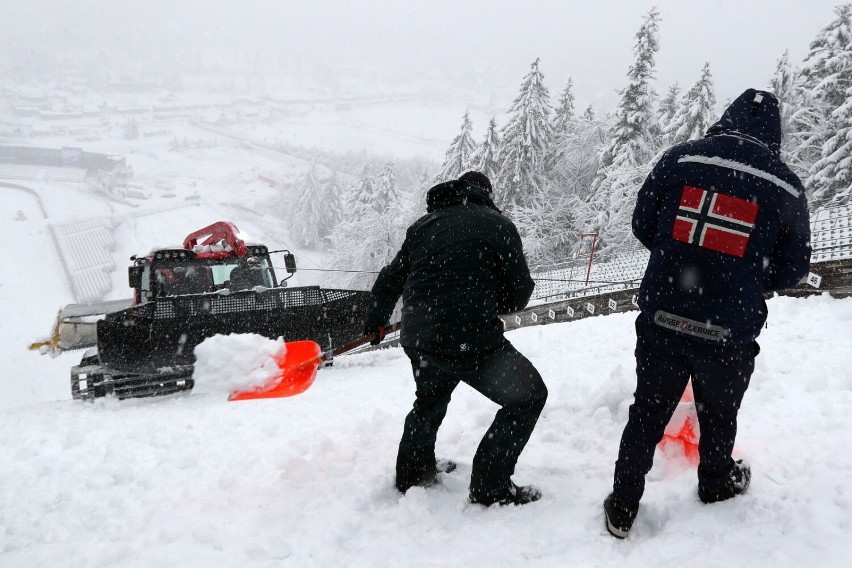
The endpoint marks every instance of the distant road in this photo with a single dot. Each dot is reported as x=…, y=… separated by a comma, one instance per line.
x=363, y=100
x=271, y=150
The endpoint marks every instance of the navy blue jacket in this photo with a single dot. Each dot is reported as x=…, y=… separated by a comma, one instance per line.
x=460, y=266
x=725, y=220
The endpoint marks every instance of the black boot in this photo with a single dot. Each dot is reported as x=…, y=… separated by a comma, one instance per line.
x=736, y=484
x=619, y=517
x=514, y=495
x=426, y=478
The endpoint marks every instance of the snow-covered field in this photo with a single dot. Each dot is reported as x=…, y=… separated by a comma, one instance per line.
x=34, y=287
x=223, y=177
x=194, y=480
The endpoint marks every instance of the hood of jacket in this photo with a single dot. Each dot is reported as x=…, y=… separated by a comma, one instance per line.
x=754, y=114
x=457, y=192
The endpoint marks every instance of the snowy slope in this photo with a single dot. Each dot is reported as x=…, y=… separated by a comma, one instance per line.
x=33, y=286
x=188, y=188
x=307, y=481
x=32, y=289
x=196, y=481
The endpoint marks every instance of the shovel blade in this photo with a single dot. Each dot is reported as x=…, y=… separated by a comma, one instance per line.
x=297, y=371
x=682, y=432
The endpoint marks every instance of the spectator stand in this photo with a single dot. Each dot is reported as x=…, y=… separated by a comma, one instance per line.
x=85, y=248
x=831, y=234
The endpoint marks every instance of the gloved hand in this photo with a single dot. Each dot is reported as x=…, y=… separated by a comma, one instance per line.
x=379, y=332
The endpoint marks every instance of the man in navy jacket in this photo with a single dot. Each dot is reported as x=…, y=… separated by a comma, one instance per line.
x=726, y=221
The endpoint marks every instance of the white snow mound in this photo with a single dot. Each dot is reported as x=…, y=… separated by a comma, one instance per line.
x=239, y=361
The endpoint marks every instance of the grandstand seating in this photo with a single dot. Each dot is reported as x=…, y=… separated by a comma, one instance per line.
x=86, y=248
x=831, y=233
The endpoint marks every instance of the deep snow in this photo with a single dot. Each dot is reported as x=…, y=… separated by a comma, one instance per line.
x=194, y=480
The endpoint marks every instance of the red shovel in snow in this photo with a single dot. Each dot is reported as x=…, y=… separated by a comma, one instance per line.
x=682, y=432
x=298, y=367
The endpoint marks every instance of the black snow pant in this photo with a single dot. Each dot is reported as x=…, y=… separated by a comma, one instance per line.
x=504, y=376
x=665, y=361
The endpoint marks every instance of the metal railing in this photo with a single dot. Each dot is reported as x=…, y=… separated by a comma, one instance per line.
x=831, y=240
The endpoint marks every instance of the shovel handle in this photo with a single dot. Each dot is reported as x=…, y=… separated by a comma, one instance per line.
x=358, y=342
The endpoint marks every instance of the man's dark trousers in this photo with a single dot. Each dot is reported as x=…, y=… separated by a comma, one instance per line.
x=665, y=361
x=504, y=376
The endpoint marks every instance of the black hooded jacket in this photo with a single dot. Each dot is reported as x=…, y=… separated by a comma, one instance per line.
x=725, y=220
x=460, y=266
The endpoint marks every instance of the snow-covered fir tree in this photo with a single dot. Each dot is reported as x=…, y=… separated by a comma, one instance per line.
x=457, y=158
x=332, y=196
x=631, y=142
x=371, y=230
x=563, y=121
x=783, y=86
x=417, y=207
x=364, y=241
x=827, y=74
x=563, y=117
x=834, y=170
x=361, y=245
x=548, y=224
x=696, y=111
x=526, y=140
x=485, y=157
x=806, y=129
x=826, y=66
x=625, y=160
x=310, y=218
x=782, y=83
x=361, y=191
x=666, y=112
x=579, y=152
x=387, y=192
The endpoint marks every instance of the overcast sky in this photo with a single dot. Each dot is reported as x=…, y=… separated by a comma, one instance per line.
x=406, y=40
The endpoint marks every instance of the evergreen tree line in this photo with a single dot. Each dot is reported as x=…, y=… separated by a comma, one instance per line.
x=560, y=174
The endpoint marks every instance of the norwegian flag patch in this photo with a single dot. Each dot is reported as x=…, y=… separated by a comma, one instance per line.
x=714, y=220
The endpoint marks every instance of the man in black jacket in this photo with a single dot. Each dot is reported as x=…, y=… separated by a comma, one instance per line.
x=725, y=221
x=461, y=265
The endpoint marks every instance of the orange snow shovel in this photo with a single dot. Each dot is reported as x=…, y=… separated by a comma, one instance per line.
x=298, y=367
x=682, y=432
